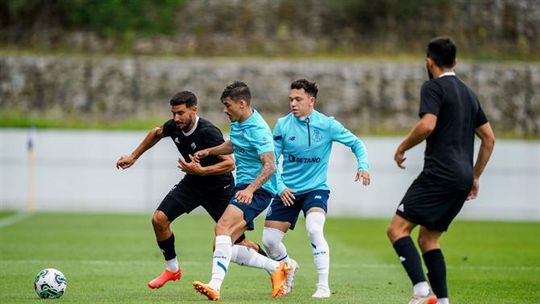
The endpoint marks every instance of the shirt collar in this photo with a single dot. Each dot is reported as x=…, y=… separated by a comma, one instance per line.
x=188, y=133
x=451, y=73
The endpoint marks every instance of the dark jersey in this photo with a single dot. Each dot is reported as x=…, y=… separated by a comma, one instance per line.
x=204, y=136
x=448, y=158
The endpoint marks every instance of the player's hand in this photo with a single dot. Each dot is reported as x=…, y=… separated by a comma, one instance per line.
x=244, y=196
x=125, y=162
x=193, y=167
x=287, y=197
x=200, y=154
x=364, y=176
x=474, y=190
x=399, y=157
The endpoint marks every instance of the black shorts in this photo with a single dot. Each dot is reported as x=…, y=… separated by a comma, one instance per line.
x=430, y=205
x=186, y=196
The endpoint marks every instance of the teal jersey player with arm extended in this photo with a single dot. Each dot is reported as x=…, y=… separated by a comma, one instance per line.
x=306, y=145
x=304, y=138
x=251, y=143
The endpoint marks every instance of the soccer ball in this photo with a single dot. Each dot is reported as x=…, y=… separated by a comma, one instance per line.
x=50, y=283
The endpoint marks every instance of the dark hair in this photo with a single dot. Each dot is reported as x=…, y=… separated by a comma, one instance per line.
x=443, y=51
x=236, y=91
x=308, y=86
x=184, y=97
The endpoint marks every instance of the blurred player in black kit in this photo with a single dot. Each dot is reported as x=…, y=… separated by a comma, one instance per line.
x=450, y=116
x=208, y=184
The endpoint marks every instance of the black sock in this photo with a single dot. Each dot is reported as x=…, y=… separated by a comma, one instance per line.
x=436, y=267
x=261, y=251
x=167, y=247
x=410, y=259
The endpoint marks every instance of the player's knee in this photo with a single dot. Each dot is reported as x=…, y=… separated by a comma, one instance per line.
x=223, y=227
x=315, y=231
x=315, y=224
x=269, y=238
x=391, y=233
x=395, y=231
x=427, y=243
x=160, y=221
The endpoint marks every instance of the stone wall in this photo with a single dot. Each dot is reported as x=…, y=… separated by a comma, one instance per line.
x=367, y=96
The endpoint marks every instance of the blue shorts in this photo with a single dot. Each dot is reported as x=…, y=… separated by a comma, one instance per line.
x=260, y=201
x=305, y=201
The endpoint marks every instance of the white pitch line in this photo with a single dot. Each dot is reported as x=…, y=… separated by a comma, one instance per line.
x=334, y=265
x=12, y=219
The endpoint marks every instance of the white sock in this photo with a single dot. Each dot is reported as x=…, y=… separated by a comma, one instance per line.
x=172, y=265
x=221, y=260
x=320, y=250
x=272, y=241
x=243, y=255
x=421, y=289
x=443, y=301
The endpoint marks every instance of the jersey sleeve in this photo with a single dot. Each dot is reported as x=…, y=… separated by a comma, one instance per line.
x=430, y=99
x=480, y=117
x=344, y=136
x=168, y=128
x=262, y=140
x=278, y=151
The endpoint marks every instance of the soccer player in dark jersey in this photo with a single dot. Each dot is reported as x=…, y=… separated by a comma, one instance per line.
x=208, y=183
x=450, y=116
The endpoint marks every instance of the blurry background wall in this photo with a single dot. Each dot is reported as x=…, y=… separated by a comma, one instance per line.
x=368, y=96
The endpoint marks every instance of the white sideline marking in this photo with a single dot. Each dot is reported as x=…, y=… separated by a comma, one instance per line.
x=348, y=266
x=12, y=219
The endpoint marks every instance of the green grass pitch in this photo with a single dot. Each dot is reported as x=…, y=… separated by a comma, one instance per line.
x=109, y=258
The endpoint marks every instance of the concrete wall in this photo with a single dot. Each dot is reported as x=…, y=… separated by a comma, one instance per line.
x=75, y=171
x=364, y=95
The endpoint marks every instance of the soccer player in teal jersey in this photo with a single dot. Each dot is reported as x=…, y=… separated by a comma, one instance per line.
x=304, y=137
x=253, y=148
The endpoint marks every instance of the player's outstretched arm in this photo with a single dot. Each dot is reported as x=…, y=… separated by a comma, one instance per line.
x=153, y=136
x=346, y=137
x=225, y=165
x=421, y=131
x=486, y=148
x=223, y=149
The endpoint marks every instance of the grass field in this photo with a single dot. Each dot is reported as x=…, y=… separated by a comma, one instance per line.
x=108, y=258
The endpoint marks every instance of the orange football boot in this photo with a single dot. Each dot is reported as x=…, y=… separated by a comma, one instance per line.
x=205, y=289
x=165, y=277
x=279, y=280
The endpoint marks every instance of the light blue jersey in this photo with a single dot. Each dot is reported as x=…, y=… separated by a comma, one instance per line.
x=306, y=146
x=250, y=139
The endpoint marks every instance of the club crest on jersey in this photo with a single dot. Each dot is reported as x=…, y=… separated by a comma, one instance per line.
x=317, y=136
x=176, y=140
x=193, y=146
x=292, y=138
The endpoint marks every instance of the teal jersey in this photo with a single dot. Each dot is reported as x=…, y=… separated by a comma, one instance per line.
x=250, y=139
x=306, y=146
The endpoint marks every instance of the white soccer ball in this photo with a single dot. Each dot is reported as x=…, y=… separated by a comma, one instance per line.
x=50, y=283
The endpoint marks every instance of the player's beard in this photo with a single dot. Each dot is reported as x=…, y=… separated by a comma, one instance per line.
x=186, y=126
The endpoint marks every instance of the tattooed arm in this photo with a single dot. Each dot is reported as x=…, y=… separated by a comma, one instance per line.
x=268, y=169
